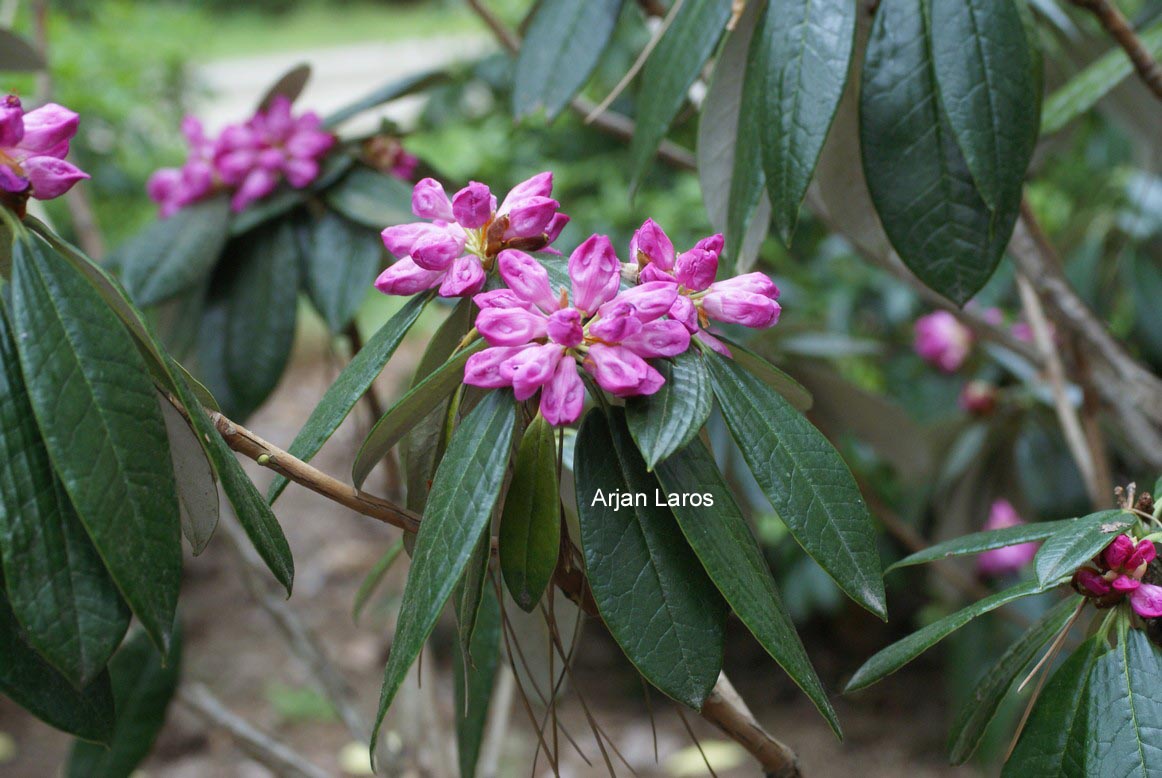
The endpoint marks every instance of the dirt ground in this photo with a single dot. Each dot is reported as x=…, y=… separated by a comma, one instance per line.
x=896, y=728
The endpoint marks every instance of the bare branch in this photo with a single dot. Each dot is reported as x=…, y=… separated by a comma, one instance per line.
x=727, y=711
x=1116, y=24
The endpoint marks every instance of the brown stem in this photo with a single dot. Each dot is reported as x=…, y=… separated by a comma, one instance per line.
x=727, y=711
x=1116, y=24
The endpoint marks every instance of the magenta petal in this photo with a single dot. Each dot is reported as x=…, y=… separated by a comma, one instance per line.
x=749, y=310
x=1091, y=582
x=46, y=128
x=483, y=367
x=595, y=272
x=472, y=205
x=618, y=370
x=51, y=177
x=300, y=172
x=11, y=122
x=436, y=249
x=662, y=338
x=531, y=369
x=309, y=144
x=616, y=321
x=430, y=202
x=565, y=327
x=1002, y=514
x=257, y=185
x=399, y=238
x=555, y=225
x=11, y=182
x=162, y=185
x=1146, y=601
x=1124, y=583
x=683, y=310
x=942, y=340
x=563, y=398
x=406, y=277
x=713, y=342
x=530, y=217
x=527, y=278
x=463, y=279
x=1009, y=559
x=1118, y=552
x=650, y=300
x=502, y=298
x=695, y=269
x=751, y=283
x=651, y=245
x=540, y=185
x=712, y=243
x=511, y=326
x=1144, y=553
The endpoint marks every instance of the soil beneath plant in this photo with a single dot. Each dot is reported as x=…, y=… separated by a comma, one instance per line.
x=896, y=728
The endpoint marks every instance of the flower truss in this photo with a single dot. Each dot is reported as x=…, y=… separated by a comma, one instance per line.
x=33, y=147
x=248, y=160
x=1117, y=573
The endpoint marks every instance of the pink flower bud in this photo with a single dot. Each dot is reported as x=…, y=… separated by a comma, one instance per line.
x=595, y=272
x=706, y=338
x=540, y=185
x=463, y=279
x=745, y=308
x=1090, y=583
x=436, y=249
x=621, y=372
x=400, y=238
x=300, y=172
x=1124, y=583
x=48, y=129
x=650, y=244
x=51, y=177
x=652, y=273
x=1146, y=601
x=527, y=278
x=405, y=277
x=531, y=369
x=616, y=321
x=11, y=121
x=942, y=340
x=683, y=311
x=11, y=182
x=563, y=397
x=502, y=298
x=1144, y=554
x=257, y=185
x=999, y=561
x=163, y=184
x=530, y=217
x=565, y=327
x=483, y=367
x=750, y=283
x=405, y=166
x=555, y=225
x=649, y=300
x=712, y=243
x=430, y=202
x=1118, y=552
x=978, y=398
x=511, y=326
x=661, y=338
x=695, y=269
x=473, y=205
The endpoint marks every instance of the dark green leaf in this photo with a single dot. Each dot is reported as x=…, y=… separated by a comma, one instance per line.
x=34, y=685
x=174, y=255
x=804, y=48
x=351, y=384
x=562, y=45
x=374, y=577
x=672, y=67
x=900, y=653
x=530, y=527
x=981, y=707
x=922, y=189
x=984, y=70
x=249, y=324
x=341, y=264
x=652, y=592
x=473, y=683
x=373, y=199
x=197, y=485
x=142, y=689
x=463, y=495
x=290, y=85
x=97, y=409
x=793, y=391
x=389, y=91
x=1053, y=740
x=805, y=479
x=17, y=54
x=667, y=420
x=747, y=179
x=1124, y=715
x=58, y=588
x=411, y=408
x=721, y=538
x=1074, y=545
x=470, y=592
x=977, y=542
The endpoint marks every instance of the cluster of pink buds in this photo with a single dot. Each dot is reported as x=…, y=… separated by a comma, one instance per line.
x=464, y=234
x=33, y=147
x=999, y=561
x=1117, y=573
x=249, y=159
x=942, y=340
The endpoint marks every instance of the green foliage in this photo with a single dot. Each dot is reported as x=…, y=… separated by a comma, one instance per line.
x=530, y=526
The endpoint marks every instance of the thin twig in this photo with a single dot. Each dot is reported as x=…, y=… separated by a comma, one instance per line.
x=279, y=757
x=638, y=63
x=1116, y=24
x=726, y=710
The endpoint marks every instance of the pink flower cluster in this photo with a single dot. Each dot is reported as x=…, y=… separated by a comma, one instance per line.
x=940, y=338
x=249, y=159
x=1117, y=573
x=465, y=233
x=1009, y=559
x=33, y=147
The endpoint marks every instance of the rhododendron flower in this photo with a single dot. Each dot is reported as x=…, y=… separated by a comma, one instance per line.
x=175, y=188
x=942, y=340
x=539, y=337
x=1118, y=573
x=998, y=561
x=33, y=147
x=978, y=398
x=465, y=233
x=747, y=299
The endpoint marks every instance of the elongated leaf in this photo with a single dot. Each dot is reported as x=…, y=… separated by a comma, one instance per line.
x=530, y=527
x=900, y=653
x=1124, y=714
x=718, y=136
x=977, y=542
x=985, y=73
x=670, y=70
x=249, y=325
x=374, y=576
x=1053, y=740
x=197, y=485
x=668, y=419
x=922, y=189
x=470, y=592
x=351, y=384
x=1073, y=546
x=97, y=410
x=721, y=538
x=805, y=479
x=747, y=178
x=804, y=47
x=413, y=406
x=1098, y=79
x=174, y=255
x=563, y=44
x=17, y=54
x=289, y=85
x=473, y=683
x=373, y=199
x=142, y=688
x=341, y=264
x=793, y=391
x=58, y=588
x=37, y=687
x=652, y=592
x=464, y=492
x=981, y=707
x=389, y=91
